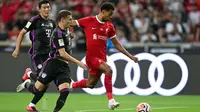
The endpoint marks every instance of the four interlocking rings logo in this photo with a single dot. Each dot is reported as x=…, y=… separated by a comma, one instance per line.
x=132, y=83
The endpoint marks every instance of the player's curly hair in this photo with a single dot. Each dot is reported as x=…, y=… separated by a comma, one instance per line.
x=107, y=6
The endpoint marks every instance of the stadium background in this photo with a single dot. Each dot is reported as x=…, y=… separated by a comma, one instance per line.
x=153, y=26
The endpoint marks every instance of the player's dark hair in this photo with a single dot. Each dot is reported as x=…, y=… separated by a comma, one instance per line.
x=63, y=14
x=107, y=6
x=43, y=2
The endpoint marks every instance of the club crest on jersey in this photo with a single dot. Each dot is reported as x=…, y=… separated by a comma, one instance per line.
x=106, y=30
x=44, y=75
x=100, y=37
x=95, y=36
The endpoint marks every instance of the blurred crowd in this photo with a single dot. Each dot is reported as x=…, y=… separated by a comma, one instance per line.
x=159, y=21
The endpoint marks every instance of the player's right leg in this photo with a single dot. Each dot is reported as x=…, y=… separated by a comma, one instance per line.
x=38, y=61
x=37, y=64
x=27, y=84
x=97, y=67
x=26, y=74
x=21, y=86
x=40, y=86
x=29, y=74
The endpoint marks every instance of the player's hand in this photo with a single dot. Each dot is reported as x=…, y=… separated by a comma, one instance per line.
x=82, y=65
x=15, y=53
x=135, y=59
x=72, y=35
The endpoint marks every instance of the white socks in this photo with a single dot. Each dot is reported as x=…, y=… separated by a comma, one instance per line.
x=111, y=100
x=31, y=105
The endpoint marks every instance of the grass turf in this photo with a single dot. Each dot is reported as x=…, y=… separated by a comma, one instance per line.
x=17, y=102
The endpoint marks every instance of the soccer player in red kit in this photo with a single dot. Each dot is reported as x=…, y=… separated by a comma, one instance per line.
x=97, y=30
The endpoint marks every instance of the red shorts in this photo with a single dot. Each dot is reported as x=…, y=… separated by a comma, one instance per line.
x=93, y=64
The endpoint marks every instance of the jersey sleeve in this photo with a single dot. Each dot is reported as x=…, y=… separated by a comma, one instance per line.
x=30, y=25
x=112, y=32
x=57, y=40
x=83, y=21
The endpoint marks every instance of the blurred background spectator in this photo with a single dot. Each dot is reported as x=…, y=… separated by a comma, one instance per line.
x=157, y=21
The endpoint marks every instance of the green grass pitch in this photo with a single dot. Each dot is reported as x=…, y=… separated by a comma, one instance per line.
x=17, y=102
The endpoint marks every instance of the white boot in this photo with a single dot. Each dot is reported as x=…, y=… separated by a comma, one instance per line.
x=22, y=85
x=112, y=104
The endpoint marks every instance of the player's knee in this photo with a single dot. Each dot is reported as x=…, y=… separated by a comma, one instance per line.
x=64, y=93
x=109, y=71
x=35, y=91
x=45, y=89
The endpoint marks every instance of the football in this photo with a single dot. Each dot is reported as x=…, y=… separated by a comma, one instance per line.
x=143, y=107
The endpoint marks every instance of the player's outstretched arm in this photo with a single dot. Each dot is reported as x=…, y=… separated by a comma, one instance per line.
x=18, y=43
x=68, y=57
x=120, y=48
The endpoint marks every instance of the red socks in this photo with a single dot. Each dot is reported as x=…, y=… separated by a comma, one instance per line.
x=80, y=84
x=108, y=85
x=107, y=82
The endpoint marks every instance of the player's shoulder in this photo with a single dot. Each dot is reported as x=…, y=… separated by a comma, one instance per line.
x=34, y=18
x=110, y=24
x=89, y=18
x=92, y=17
x=57, y=32
x=53, y=22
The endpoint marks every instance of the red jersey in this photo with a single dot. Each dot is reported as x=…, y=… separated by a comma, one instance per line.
x=97, y=33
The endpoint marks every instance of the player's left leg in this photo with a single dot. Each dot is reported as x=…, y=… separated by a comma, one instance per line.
x=64, y=92
x=62, y=81
x=105, y=68
x=37, y=89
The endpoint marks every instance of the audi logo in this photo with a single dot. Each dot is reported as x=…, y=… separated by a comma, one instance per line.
x=132, y=83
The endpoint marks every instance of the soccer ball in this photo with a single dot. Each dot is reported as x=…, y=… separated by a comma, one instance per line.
x=143, y=107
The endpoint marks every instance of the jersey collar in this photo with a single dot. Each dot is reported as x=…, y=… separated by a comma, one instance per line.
x=43, y=18
x=62, y=29
x=99, y=20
